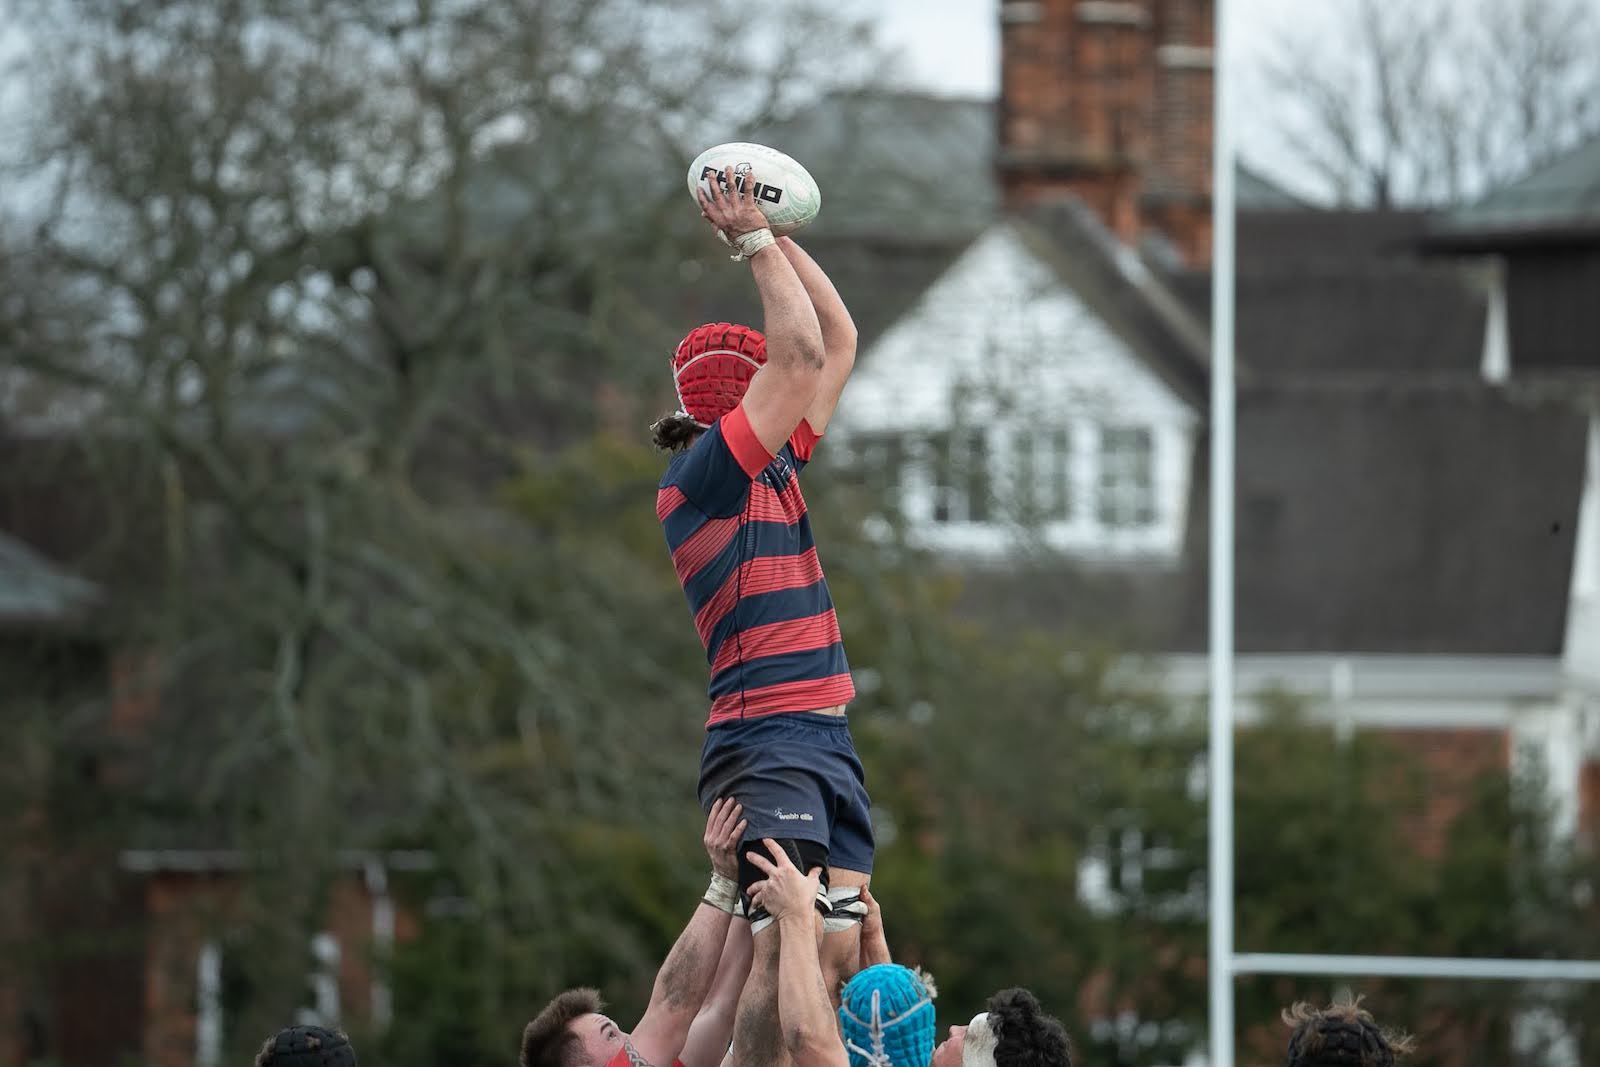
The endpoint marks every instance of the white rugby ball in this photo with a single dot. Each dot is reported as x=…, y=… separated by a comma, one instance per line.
x=785, y=191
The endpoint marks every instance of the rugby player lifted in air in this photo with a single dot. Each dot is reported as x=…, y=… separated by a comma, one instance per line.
x=752, y=409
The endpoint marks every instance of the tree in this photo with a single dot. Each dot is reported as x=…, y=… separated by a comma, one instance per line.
x=315, y=279
x=1434, y=102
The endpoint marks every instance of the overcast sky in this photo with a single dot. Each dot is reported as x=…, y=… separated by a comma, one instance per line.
x=952, y=47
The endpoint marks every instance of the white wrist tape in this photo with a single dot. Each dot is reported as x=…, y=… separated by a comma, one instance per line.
x=722, y=893
x=748, y=244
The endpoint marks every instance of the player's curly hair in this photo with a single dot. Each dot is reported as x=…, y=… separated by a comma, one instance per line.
x=1024, y=1035
x=675, y=432
x=1343, y=1034
x=547, y=1041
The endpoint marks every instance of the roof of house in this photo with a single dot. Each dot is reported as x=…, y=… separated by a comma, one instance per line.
x=1423, y=521
x=1399, y=517
x=1555, y=202
x=1345, y=293
x=939, y=151
x=1389, y=500
x=1253, y=191
x=1131, y=298
x=33, y=590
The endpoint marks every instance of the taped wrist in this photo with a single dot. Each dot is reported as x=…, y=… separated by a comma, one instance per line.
x=722, y=893
x=748, y=244
x=845, y=909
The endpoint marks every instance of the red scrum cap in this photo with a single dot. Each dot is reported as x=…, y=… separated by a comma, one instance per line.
x=713, y=366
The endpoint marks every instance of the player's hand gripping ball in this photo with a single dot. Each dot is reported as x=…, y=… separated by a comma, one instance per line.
x=785, y=192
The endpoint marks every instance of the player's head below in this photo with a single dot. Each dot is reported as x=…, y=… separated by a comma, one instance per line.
x=1343, y=1034
x=306, y=1046
x=711, y=369
x=886, y=1017
x=1011, y=1031
x=571, y=1032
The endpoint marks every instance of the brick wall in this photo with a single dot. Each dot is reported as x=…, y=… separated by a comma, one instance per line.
x=1450, y=762
x=1111, y=102
x=183, y=910
x=1589, y=802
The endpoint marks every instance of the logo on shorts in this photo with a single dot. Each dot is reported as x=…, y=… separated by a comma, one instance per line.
x=793, y=816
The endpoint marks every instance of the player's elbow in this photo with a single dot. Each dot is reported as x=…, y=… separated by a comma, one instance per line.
x=811, y=1044
x=842, y=343
x=810, y=353
x=842, y=356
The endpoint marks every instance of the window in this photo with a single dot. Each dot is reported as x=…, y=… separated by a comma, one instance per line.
x=962, y=486
x=323, y=981
x=1124, y=869
x=223, y=987
x=1044, y=475
x=1077, y=485
x=879, y=458
x=1127, y=497
x=208, y=1006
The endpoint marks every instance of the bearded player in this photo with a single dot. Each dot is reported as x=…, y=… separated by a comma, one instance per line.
x=752, y=409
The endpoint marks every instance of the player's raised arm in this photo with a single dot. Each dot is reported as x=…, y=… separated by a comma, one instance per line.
x=810, y=1029
x=838, y=333
x=783, y=390
x=686, y=976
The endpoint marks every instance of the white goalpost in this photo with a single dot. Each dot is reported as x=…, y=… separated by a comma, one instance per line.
x=1224, y=963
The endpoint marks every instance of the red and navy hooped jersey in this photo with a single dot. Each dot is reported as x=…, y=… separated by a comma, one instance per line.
x=741, y=542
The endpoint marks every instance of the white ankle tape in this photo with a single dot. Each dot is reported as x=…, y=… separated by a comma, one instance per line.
x=764, y=920
x=845, y=908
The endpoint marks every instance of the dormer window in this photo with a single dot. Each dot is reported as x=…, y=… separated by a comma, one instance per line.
x=963, y=476
x=1127, y=490
x=1044, y=475
x=1051, y=433
x=1081, y=485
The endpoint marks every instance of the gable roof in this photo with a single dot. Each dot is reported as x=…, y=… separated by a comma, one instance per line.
x=1389, y=500
x=998, y=316
x=34, y=591
x=1427, y=521
x=1129, y=297
x=1252, y=191
x=938, y=150
x=1345, y=294
x=1557, y=202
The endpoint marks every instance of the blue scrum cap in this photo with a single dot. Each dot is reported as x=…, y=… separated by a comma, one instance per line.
x=886, y=1017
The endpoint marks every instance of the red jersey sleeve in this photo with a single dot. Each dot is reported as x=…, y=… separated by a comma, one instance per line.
x=742, y=441
x=803, y=440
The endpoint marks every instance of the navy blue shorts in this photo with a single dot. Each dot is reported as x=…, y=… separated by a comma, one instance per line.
x=797, y=775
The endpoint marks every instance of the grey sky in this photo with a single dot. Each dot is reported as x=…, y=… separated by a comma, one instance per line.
x=952, y=47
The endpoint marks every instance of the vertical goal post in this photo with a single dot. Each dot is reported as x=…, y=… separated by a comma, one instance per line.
x=1224, y=963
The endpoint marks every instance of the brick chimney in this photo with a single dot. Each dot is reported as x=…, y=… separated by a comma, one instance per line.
x=1110, y=100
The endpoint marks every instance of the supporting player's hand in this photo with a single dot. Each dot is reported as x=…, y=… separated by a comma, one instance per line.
x=872, y=925
x=784, y=891
x=731, y=207
x=874, y=945
x=724, y=828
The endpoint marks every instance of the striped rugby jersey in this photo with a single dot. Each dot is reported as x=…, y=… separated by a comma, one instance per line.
x=741, y=542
